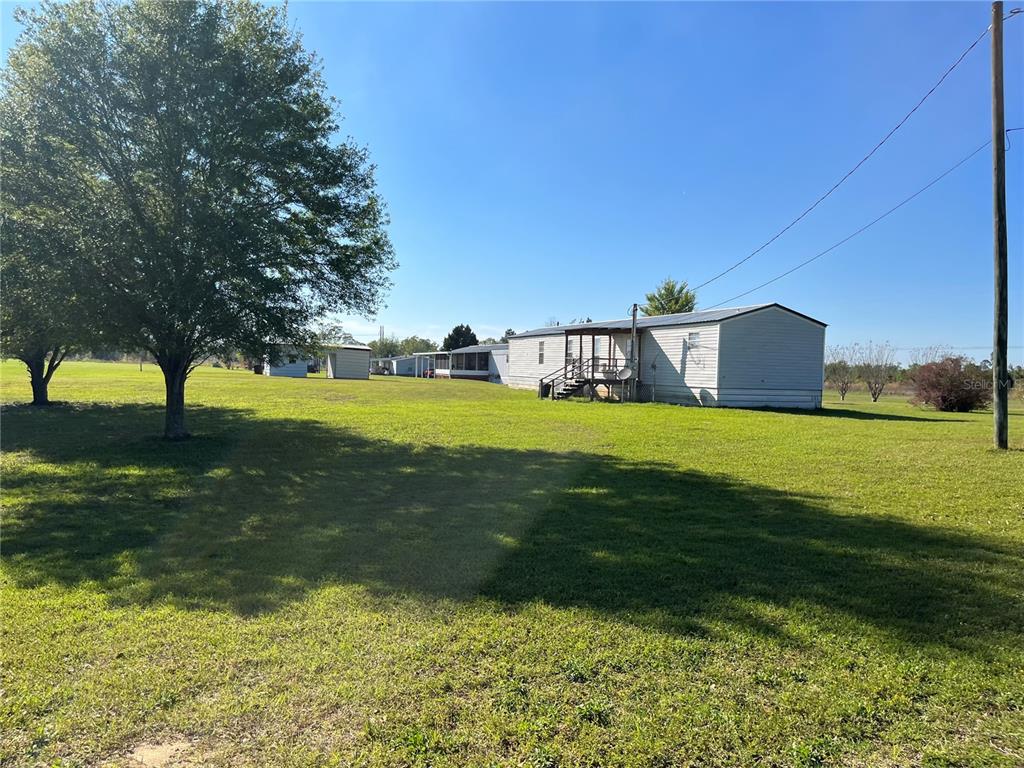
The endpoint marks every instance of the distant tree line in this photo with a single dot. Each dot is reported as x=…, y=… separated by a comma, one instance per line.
x=392, y=346
x=460, y=336
x=938, y=378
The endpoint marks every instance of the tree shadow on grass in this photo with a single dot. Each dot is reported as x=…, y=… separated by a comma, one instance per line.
x=857, y=415
x=260, y=511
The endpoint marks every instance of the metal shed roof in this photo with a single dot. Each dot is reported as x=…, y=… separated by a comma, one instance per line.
x=659, y=321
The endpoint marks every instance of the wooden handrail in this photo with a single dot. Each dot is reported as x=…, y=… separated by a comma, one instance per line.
x=588, y=367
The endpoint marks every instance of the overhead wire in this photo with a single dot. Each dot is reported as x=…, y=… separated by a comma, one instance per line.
x=864, y=228
x=864, y=159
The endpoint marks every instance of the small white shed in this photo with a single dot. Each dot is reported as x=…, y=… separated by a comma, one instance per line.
x=348, y=361
x=290, y=363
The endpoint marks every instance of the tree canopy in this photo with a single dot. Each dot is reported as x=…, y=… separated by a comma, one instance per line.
x=460, y=336
x=231, y=216
x=412, y=344
x=670, y=298
x=43, y=213
x=392, y=346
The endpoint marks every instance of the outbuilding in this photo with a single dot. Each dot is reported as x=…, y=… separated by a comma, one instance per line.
x=289, y=362
x=348, y=361
x=765, y=355
x=401, y=365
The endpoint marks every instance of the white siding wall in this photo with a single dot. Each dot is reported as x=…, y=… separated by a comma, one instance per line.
x=682, y=373
x=348, y=363
x=523, y=369
x=771, y=358
x=295, y=370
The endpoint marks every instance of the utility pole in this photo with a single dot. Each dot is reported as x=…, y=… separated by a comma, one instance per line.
x=634, y=359
x=1000, y=380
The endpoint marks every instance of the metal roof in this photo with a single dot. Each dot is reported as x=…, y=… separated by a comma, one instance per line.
x=480, y=348
x=659, y=321
x=347, y=346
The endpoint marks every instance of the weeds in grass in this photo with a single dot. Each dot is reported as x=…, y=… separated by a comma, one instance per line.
x=414, y=573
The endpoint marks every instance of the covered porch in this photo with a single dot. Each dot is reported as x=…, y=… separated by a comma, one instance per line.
x=428, y=363
x=599, y=362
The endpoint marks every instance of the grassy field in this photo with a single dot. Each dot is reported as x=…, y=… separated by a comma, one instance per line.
x=413, y=573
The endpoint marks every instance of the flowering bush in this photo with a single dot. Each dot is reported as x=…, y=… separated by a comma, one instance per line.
x=953, y=384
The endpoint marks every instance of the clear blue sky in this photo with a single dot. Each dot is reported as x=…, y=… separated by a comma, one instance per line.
x=547, y=160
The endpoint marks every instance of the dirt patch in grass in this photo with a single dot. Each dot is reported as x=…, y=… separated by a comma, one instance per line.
x=164, y=753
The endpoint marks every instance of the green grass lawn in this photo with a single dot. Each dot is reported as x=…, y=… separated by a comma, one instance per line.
x=397, y=572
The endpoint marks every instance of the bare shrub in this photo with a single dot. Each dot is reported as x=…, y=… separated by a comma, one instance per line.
x=875, y=365
x=839, y=371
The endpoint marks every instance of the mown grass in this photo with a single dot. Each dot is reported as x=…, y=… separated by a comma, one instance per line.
x=401, y=572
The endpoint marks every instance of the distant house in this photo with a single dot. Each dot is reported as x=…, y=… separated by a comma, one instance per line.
x=402, y=365
x=482, y=362
x=761, y=355
x=348, y=361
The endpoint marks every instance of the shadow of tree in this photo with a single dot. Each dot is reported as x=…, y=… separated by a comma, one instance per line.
x=684, y=551
x=860, y=415
x=252, y=517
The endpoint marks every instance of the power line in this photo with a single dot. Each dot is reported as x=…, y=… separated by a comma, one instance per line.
x=860, y=162
x=867, y=226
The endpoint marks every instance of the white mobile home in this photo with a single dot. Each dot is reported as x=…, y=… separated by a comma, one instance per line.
x=756, y=356
x=482, y=362
x=348, y=361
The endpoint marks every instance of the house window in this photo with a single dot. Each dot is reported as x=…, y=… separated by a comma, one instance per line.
x=482, y=361
x=692, y=346
x=292, y=359
x=540, y=353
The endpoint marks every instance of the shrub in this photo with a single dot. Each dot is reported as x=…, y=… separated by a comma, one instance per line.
x=953, y=384
x=838, y=370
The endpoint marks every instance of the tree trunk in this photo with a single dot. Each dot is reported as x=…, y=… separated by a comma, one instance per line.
x=40, y=381
x=175, y=374
x=41, y=365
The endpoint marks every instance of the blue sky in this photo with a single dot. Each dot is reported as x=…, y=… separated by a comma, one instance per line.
x=559, y=160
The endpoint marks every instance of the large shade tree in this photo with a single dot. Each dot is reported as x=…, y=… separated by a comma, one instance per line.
x=232, y=216
x=38, y=322
x=43, y=230
x=670, y=298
